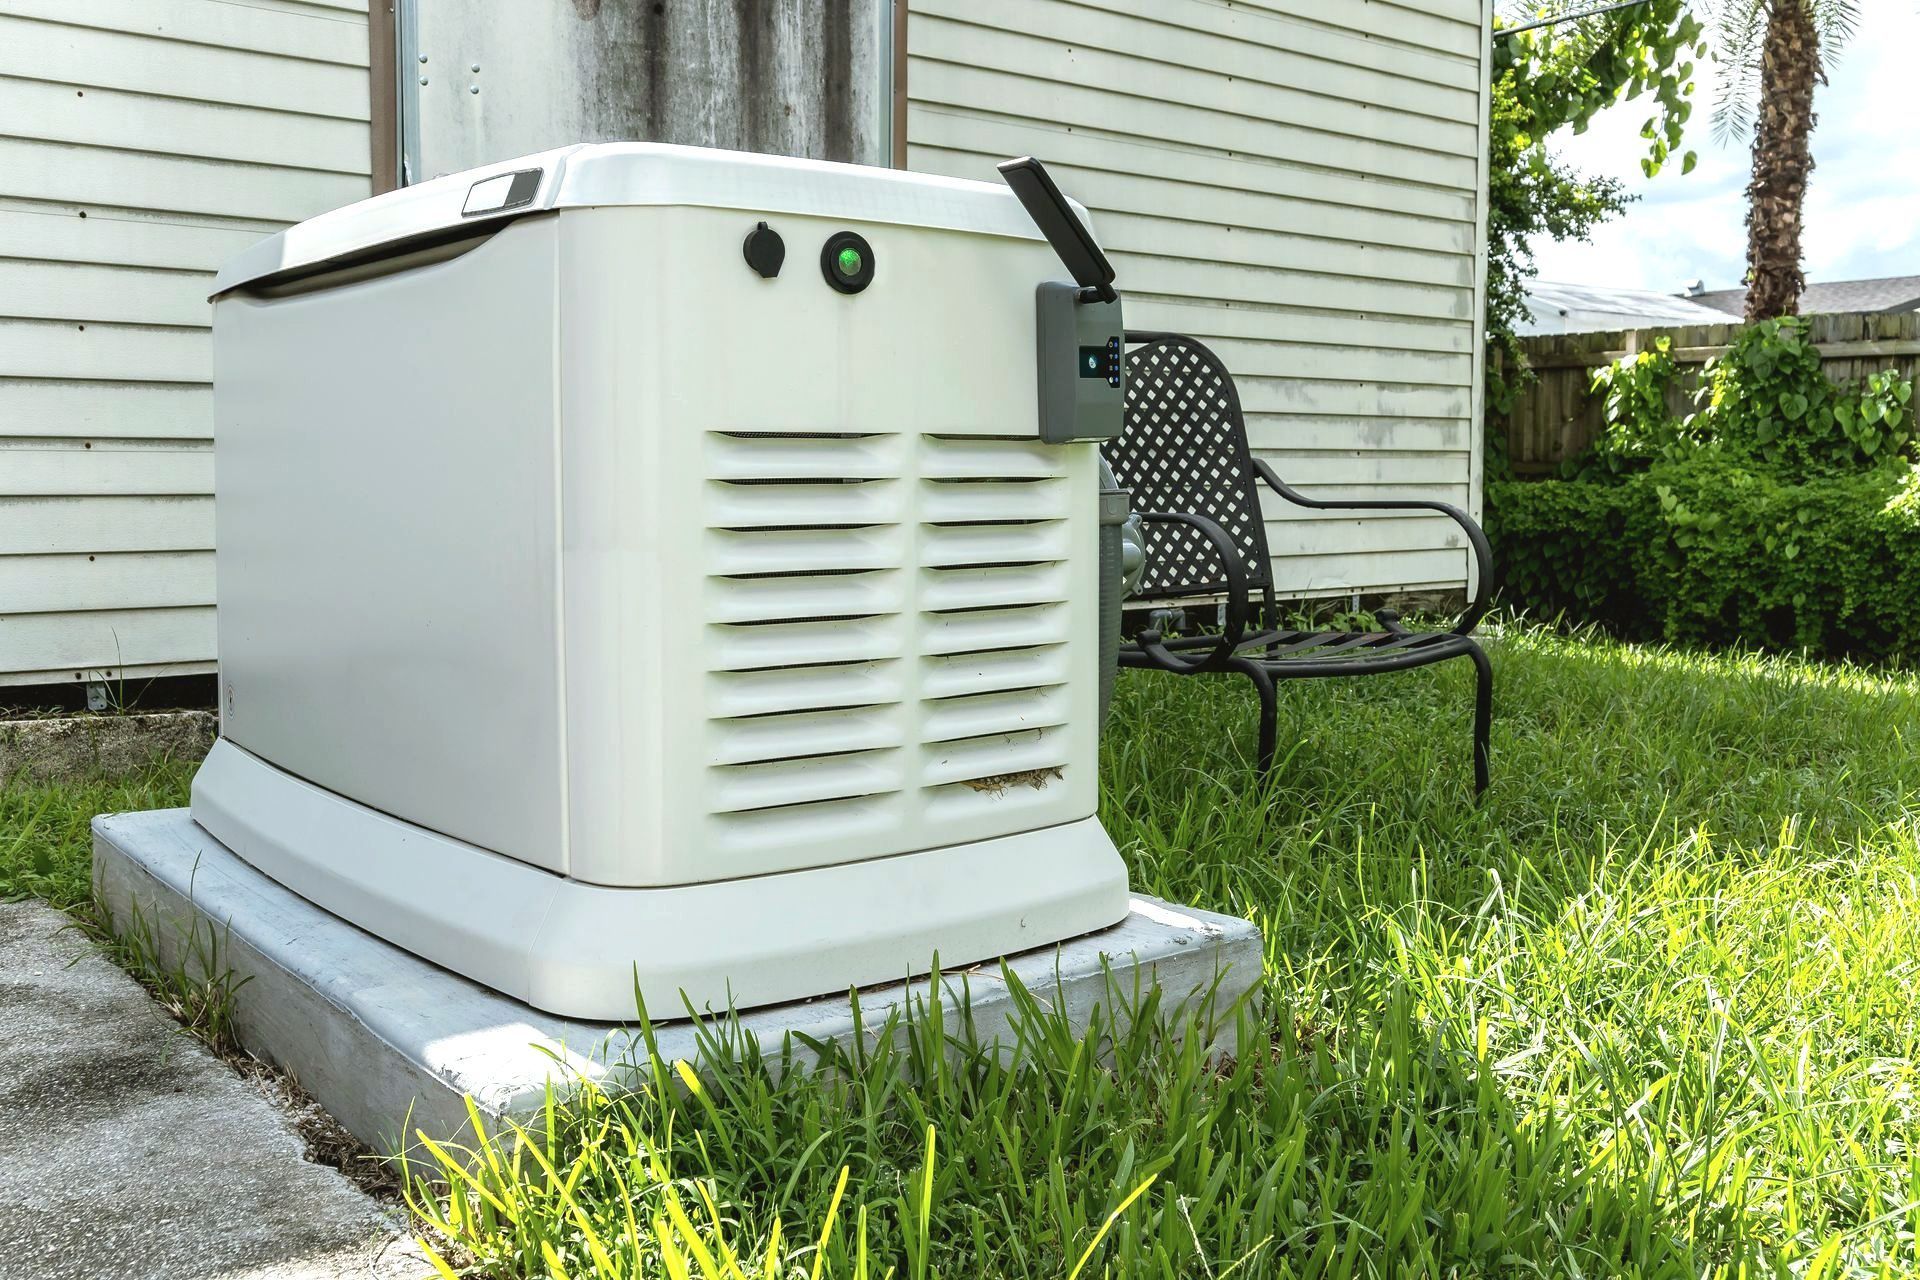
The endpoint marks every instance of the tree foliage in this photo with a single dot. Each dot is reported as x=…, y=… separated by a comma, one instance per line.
x=1556, y=78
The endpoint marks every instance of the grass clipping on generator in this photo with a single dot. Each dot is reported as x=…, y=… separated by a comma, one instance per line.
x=999, y=782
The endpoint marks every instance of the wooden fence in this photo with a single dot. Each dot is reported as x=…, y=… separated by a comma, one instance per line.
x=1557, y=417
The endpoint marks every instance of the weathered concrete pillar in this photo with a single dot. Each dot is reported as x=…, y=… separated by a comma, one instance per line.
x=792, y=77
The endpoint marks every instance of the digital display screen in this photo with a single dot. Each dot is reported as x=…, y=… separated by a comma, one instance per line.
x=1093, y=362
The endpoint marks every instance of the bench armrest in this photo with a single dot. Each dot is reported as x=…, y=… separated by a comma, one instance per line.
x=1235, y=629
x=1476, y=537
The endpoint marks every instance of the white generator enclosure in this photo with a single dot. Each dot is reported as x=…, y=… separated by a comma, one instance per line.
x=482, y=440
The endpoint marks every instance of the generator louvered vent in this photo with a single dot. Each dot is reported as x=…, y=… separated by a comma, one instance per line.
x=890, y=658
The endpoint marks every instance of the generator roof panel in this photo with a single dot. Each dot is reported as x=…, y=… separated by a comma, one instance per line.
x=624, y=173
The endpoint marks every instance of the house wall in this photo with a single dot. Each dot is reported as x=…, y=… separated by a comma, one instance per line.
x=144, y=141
x=1300, y=183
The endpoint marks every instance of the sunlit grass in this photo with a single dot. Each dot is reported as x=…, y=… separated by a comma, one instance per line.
x=46, y=841
x=1647, y=1011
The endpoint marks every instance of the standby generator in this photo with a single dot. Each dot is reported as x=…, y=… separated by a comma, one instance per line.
x=648, y=567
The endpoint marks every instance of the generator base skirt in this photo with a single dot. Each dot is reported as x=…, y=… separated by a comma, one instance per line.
x=390, y=1044
x=585, y=950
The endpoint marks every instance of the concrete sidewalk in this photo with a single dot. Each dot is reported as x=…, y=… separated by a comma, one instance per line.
x=128, y=1150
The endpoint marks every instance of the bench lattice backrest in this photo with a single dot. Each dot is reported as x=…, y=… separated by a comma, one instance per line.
x=1183, y=448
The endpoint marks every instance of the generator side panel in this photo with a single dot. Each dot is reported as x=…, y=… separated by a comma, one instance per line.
x=387, y=554
x=893, y=579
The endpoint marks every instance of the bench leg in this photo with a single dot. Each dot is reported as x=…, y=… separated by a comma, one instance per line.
x=1263, y=684
x=1482, y=716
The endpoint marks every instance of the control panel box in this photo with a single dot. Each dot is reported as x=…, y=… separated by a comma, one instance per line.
x=1082, y=364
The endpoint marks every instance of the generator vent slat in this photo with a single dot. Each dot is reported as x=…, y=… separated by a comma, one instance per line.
x=798, y=734
x=977, y=715
x=997, y=761
x=783, y=782
x=767, y=646
x=988, y=458
x=829, y=824
x=760, y=552
x=764, y=459
x=828, y=594
x=958, y=587
x=851, y=504
x=948, y=546
x=990, y=671
x=888, y=638
x=733, y=694
x=984, y=629
x=992, y=501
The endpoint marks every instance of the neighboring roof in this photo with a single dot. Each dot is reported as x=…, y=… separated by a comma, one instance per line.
x=1585, y=308
x=1889, y=293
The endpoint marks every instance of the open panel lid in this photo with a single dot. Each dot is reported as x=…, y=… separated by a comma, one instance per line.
x=624, y=173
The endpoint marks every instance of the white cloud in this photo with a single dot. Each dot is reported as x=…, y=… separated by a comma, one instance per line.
x=1863, y=201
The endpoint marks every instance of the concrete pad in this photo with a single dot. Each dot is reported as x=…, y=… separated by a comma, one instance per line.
x=389, y=1043
x=126, y=1149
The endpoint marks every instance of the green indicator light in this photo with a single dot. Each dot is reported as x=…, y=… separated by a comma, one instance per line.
x=847, y=262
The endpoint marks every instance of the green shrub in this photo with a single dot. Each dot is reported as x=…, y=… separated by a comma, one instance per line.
x=1711, y=551
x=1553, y=541
x=1780, y=514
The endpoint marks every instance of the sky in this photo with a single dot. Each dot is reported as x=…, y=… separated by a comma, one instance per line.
x=1863, y=200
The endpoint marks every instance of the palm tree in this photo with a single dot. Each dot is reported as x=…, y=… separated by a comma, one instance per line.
x=1770, y=57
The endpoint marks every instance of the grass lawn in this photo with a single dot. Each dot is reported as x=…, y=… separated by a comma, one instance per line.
x=1648, y=1012
x=46, y=841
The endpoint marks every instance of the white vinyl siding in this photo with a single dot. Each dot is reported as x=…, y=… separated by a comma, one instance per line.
x=1299, y=183
x=143, y=143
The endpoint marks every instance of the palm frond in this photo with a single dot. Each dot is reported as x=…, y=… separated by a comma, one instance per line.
x=1835, y=22
x=1742, y=33
x=1742, y=27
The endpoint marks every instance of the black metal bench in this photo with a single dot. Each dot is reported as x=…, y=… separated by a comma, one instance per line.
x=1183, y=452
